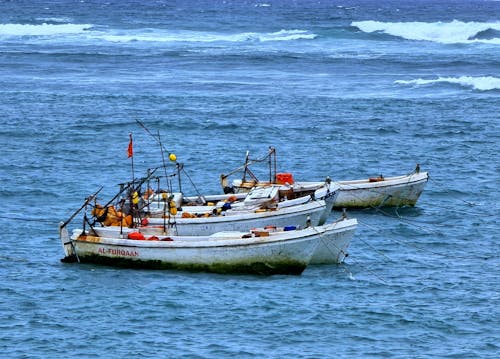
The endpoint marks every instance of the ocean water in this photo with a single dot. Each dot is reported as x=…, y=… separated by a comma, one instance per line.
x=347, y=89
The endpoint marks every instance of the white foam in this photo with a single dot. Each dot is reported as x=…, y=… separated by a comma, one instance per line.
x=485, y=83
x=90, y=32
x=42, y=29
x=59, y=20
x=442, y=32
x=195, y=36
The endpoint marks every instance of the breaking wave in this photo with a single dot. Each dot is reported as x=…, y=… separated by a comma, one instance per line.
x=16, y=30
x=486, y=83
x=195, y=36
x=443, y=32
x=93, y=32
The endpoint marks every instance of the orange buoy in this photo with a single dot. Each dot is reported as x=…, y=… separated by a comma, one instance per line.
x=136, y=235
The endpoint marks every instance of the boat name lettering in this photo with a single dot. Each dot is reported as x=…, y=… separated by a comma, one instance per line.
x=118, y=252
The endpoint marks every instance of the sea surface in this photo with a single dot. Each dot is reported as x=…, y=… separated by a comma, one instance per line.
x=341, y=88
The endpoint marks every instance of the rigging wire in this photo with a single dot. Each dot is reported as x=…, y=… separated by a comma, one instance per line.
x=198, y=193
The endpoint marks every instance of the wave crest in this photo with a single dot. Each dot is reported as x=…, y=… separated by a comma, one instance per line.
x=42, y=29
x=90, y=32
x=196, y=36
x=443, y=32
x=485, y=83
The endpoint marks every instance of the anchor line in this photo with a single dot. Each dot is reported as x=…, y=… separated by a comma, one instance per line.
x=377, y=251
x=416, y=247
x=326, y=245
x=333, y=245
x=407, y=220
x=413, y=221
x=378, y=209
x=30, y=219
x=360, y=265
x=444, y=188
x=368, y=270
x=395, y=240
x=461, y=211
x=355, y=262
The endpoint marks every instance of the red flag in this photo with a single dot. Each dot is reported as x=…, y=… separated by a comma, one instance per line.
x=130, y=150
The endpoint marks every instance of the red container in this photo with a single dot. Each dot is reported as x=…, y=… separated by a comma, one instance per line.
x=282, y=178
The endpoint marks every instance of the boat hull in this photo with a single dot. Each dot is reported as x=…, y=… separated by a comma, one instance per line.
x=333, y=244
x=397, y=191
x=302, y=216
x=287, y=253
x=391, y=192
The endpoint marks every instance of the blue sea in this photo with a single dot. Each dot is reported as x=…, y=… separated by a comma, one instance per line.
x=341, y=88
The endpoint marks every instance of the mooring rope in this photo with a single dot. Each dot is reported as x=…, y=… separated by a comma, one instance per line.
x=438, y=186
x=13, y=218
x=368, y=270
x=415, y=246
x=407, y=220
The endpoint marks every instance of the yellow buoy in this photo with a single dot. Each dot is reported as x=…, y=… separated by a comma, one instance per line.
x=172, y=157
x=172, y=208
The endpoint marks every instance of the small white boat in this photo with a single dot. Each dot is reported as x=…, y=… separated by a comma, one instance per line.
x=283, y=251
x=261, y=207
x=276, y=195
x=203, y=222
x=381, y=191
x=397, y=191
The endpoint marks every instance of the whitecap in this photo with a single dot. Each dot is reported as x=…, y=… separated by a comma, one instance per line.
x=55, y=20
x=484, y=83
x=441, y=32
x=96, y=33
x=42, y=29
x=196, y=36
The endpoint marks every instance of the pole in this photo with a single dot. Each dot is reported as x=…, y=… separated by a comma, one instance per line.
x=87, y=201
x=131, y=154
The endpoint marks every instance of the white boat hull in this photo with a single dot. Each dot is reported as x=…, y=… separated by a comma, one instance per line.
x=287, y=252
x=392, y=192
x=395, y=191
x=332, y=247
x=302, y=216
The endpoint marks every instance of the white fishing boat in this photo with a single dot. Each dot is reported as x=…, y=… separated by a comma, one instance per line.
x=283, y=194
x=271, y=251
x=189, y=223
x=397, y=191
x=380, y=191
x=262, y=206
